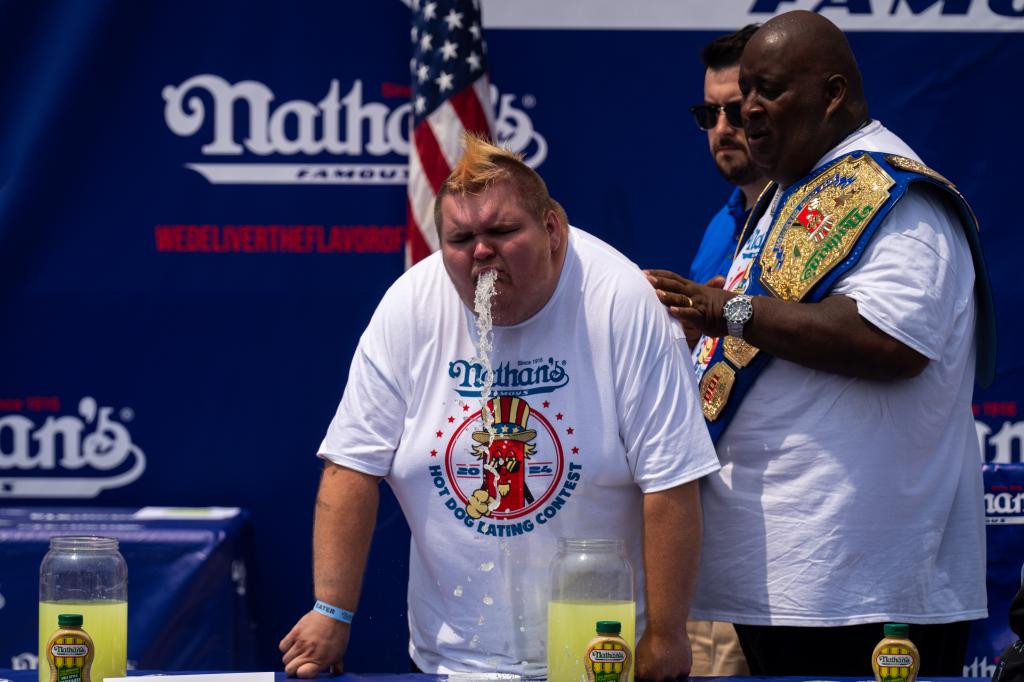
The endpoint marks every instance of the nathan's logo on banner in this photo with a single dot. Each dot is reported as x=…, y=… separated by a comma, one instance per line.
x=24, y=661
x=961, y=9
x=999, y=443
x=1004, y=504
x=336, y=125
x=514, y=128
x=849, y=15
x=68, y=455
x=980, y=667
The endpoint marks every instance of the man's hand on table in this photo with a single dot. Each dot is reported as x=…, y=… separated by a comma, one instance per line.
x=314, y=644
x=661, y=657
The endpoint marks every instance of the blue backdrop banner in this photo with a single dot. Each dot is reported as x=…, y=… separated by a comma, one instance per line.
x=202, y=203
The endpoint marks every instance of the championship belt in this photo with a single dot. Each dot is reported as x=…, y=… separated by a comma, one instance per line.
x=819, y=229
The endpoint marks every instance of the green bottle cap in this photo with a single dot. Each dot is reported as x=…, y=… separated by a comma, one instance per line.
x=73, y=620
x=609, y=627
x=901, y=630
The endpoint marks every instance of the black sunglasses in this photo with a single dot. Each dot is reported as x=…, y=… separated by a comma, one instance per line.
x=706, y=115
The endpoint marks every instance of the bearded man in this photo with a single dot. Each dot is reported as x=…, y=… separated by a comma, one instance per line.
x=719, y=116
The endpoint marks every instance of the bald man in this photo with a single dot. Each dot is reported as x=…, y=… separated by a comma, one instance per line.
x=836, y=371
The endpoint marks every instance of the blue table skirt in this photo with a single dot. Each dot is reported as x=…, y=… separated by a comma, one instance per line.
x=188, y=602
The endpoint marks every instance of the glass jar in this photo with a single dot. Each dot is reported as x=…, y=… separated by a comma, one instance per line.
x=591, y=580
x=86, y=576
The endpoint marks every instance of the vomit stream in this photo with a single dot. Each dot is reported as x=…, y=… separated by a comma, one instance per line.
x=485, y=291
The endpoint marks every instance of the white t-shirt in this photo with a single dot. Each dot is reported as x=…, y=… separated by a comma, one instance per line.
x=605, y=411
x=844, y=501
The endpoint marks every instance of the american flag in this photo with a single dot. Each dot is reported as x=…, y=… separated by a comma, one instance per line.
x=450, y=93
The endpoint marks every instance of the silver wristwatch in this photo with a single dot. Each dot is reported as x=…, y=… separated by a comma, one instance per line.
x=737, y=311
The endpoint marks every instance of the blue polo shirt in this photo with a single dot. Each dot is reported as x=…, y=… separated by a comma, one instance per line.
x=717, y=248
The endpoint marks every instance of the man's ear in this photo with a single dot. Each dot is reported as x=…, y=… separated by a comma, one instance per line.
x=554, y=228
x=835, y=93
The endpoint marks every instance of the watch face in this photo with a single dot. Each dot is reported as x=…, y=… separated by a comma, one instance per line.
x=738, y=309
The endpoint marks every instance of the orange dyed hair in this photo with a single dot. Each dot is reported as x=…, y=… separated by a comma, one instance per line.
x=484, y=164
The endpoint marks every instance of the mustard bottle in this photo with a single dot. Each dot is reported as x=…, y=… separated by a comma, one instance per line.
x=895, y=658
x=608, y=658
x=70, y=650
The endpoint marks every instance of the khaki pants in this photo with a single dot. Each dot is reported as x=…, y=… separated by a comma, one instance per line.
x=716, y=649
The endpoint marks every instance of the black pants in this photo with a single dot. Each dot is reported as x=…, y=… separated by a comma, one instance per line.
x=846, y=651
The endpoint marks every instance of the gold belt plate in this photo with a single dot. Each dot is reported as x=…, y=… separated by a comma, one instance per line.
x=715, y=388
x=739, y=352
x=819, y=225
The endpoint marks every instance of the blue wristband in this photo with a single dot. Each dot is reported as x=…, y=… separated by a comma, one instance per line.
x=333, y=612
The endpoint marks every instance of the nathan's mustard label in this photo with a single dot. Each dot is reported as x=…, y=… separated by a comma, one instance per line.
x=107, y=624
x=895, y=658
x=571, y=627
x=608, y=656
x=70, y=650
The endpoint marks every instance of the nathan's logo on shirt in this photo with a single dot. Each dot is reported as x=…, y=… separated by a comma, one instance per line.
x=512, y=483
x=526, y=378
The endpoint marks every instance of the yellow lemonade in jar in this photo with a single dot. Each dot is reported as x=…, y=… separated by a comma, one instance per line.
x=106, y=622
x=570, y=629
